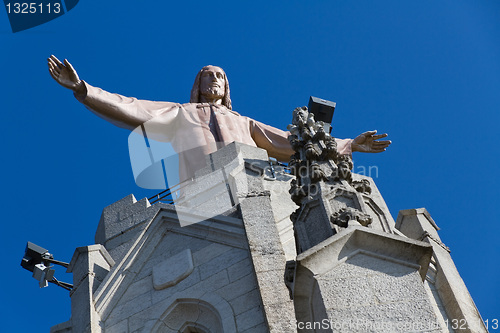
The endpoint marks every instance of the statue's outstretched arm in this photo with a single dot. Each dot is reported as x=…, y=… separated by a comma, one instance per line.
x=122, y=111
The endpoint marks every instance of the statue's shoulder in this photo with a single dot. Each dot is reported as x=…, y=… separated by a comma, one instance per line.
x=191, y=105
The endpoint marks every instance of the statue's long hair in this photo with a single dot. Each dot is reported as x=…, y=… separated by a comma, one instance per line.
x=195, y=92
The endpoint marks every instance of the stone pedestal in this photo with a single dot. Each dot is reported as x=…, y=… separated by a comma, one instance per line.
x=362, y=280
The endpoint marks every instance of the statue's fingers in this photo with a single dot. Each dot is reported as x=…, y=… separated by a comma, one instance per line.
x=381, y=144
x=51, y=62
x=56, y=61
x=51, y=66
x=385, y=142
x=369, y=133
x=379, y=136
x=53, y=74
x=54, y=68
x=66, y=62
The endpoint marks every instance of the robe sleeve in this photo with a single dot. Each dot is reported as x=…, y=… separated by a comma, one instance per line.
x=128, y=112
x=275, y=141
x=344, y=146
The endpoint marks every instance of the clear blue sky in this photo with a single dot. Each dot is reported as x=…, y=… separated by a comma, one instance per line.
x=426, y=72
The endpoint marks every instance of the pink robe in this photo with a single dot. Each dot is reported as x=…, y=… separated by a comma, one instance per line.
x=193, y=129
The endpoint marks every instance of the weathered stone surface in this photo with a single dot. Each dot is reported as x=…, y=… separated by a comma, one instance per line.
x=93, y=260
x=221, y=262
x=65, y=327
x=411, y=316
x=448, y=289
x=114, y=217
x=249, y=319
x=121, y=327
x=173, y=270
x=240, y=269
x=363, y=271
x=269, y=261
x=376, y=207
x=246, y=301
x=238, y=288
x=261, y=328
x=357, y=278
x=90, y=266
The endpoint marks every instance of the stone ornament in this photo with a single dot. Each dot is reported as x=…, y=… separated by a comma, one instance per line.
x=323, y=189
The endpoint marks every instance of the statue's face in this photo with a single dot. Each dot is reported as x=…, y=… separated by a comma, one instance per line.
x=300, y=117
x=212, y=82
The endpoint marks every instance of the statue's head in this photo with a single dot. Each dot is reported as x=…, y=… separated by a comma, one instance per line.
x=300, y=116
x=211, y=82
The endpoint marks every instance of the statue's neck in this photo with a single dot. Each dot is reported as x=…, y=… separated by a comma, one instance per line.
x=208, y=99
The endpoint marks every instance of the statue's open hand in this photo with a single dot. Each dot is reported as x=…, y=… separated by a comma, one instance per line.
x=64, y=74
x=367, y=142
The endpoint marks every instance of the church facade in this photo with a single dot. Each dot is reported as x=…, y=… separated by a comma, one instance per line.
x=224, y=259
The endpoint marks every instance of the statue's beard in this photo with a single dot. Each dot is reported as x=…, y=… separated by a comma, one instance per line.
x=213, y=92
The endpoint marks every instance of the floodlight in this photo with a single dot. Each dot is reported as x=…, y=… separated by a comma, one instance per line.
x=43, y=274
x=37, y=260
x=33, y=256
x=322, y=110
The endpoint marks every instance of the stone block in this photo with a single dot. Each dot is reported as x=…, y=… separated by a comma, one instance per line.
x=273, y=289
x=390, y=288
x=136, y=289
x=237, y=288
x=240, y=269
x=147, y=317
x=268, y=257
x=415, y=222
x=367, y=275
x=81, y=308
x=173, y=270
x=221, y=262
x=111, y=215
x=346, y=292
x=412, y=316
x=261, y=328
x=250, y=318
x=124, y=310
x=170, y=245
x=281, y=319
x=121, y=327
x=94, y=260
x=209, y=252
x=213, y=282
x=138, y=207
x=246, y=301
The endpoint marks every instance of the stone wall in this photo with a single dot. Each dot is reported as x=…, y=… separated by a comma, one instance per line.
x=215, y=262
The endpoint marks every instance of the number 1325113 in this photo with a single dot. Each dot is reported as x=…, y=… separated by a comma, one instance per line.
x=33, y=8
